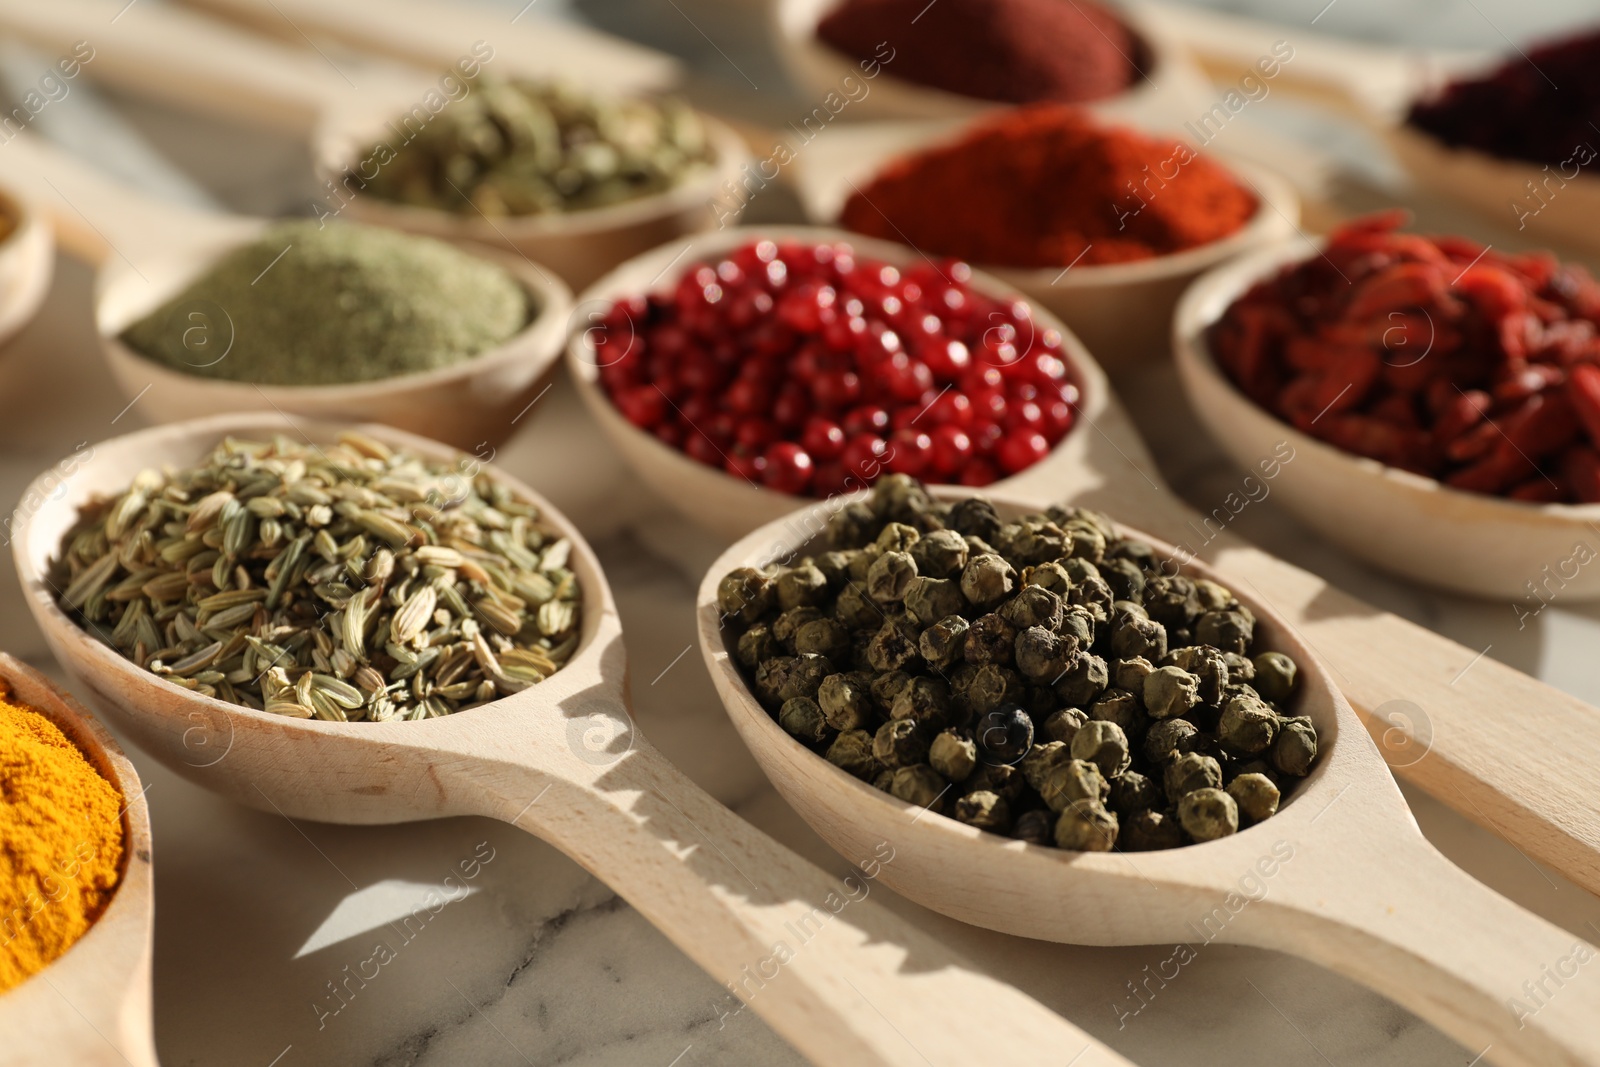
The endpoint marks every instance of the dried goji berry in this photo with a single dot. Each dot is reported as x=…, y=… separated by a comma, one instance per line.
x=1583, y=387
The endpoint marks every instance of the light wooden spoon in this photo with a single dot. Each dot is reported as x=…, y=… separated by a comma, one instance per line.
x=91, y=1006
x=199, y=63
x=1341, y=875
x=1121, y=311
x=1451, y=720
x=1397, y=521
x=844, y=983
x=148, y=251
x=27, y=261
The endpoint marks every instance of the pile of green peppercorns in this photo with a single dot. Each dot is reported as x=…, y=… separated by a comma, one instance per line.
x=1045, y=678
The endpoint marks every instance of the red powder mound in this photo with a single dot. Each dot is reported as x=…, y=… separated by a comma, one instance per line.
x=1018, y=51
x=1046, y=186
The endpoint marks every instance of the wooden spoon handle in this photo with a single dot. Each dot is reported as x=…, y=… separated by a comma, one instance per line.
x=839, y=976
x=1513, y=989
x=188, y=60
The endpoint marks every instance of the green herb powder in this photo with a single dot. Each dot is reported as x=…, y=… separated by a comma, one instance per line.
x=310, y=305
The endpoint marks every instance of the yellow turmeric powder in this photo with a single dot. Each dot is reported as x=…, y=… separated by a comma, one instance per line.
x=60, y=842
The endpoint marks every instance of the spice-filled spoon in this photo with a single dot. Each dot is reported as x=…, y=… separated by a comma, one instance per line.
x=1121, y=311
x=363, y=131
x=561, y=759
x=1438, y=708
x=148, y=252
x=1168, y=89
x=92, y=1004
x=1340, y=874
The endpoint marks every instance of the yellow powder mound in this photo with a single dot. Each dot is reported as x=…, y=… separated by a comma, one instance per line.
x=60, y=842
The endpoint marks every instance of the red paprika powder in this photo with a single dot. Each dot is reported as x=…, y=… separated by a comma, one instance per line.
x=1016, y=51
x=1432, y=354
x=1047, y=186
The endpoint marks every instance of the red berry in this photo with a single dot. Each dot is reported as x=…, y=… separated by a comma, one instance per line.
x=869, y=420
x=788, y=468
x=747, y=397
x=863, y=456
x=823, y=438
x=836, y=390
x=910, y=452
x=951, y=407
x=1021, y=449
x=753, y=435
x=642, y=405
x=952, y=448
x=746, y=465
x=979, y=472
x=702, y=449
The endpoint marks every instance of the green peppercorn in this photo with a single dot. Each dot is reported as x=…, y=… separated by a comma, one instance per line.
x=921, y=785
x=802, y=718
x=1256, y=796
x=1240, y=670
x=894, y=646
x=745, y=594
x=855, y=610
x=999, y=778
x=1078, y=624
x=757, y=644
x=846, y=700
x=987, y=579
x=1004, y=735
x=1170, y=692
x=1247, y=724
x=824, y=637
x=1133, y=636
x=990, y=639
x=835, y=567
x=1124, y=577
x=786, y=627
x=1208, y=665
x=1121, y=707
x=1207, y=814
x=1132, y=792
x=940, y=554
x=896, y=537
x=1169, y=739
x=1189, y=772
x=1139, y=553
x=1296, y=747
x=900, y=743
x=883, y=781
x=803, y=586
x=1092, y=594
x=851, y=526
x=1063, y=725
x=890, y=576
x=1040, y=655
x=953, y=756
x=1171, y=601
x=985, y=810
x=923, y=700
x=1041, y=760
x=931, y=599
x=851, y=752
x=1033, y=606
x=1103, y=744
x=1148, y=831
x=1084, y=679
x=1051, y=577
x=1213, y=596
x=1130, y=674
x=1074, y=780
x=1275, y=676
x=993, y=686
x=975, y=517
x=861, y=565
x=942, y=643
x=1086, y=826
x=1036, y=827
x=1230, y=631
x=886, y=686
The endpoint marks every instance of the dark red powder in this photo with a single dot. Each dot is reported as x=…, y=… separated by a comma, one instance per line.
x=1017, y=51
x=1046, y=186
x=1541, y=108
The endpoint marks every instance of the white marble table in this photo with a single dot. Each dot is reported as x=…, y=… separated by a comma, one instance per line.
x=532, y=961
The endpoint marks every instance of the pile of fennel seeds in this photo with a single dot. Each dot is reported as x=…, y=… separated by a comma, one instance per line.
x=344, y=582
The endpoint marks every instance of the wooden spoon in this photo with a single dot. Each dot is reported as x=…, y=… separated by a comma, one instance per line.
x=27, y=261
x=562, y=759
x=1121, y=311
x=199, y=63
x=1508, y=752
x=1397, y=521
x=91, y=1006
x=148, y=251
x=1341, y=875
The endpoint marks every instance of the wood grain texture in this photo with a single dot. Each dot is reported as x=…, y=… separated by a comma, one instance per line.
x=91, y=1006
x=1341, y=875
x=845, y=983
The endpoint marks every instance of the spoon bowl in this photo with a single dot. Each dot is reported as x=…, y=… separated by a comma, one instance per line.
x=1398, y=521
x=91, y=1005
x=1341, y=875
x=722, y=503
x=149, y=251
x=27, y=261
x=1121, y=311
x=562, y=759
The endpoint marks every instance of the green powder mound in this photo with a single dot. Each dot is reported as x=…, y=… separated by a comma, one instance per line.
x=304, y=305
